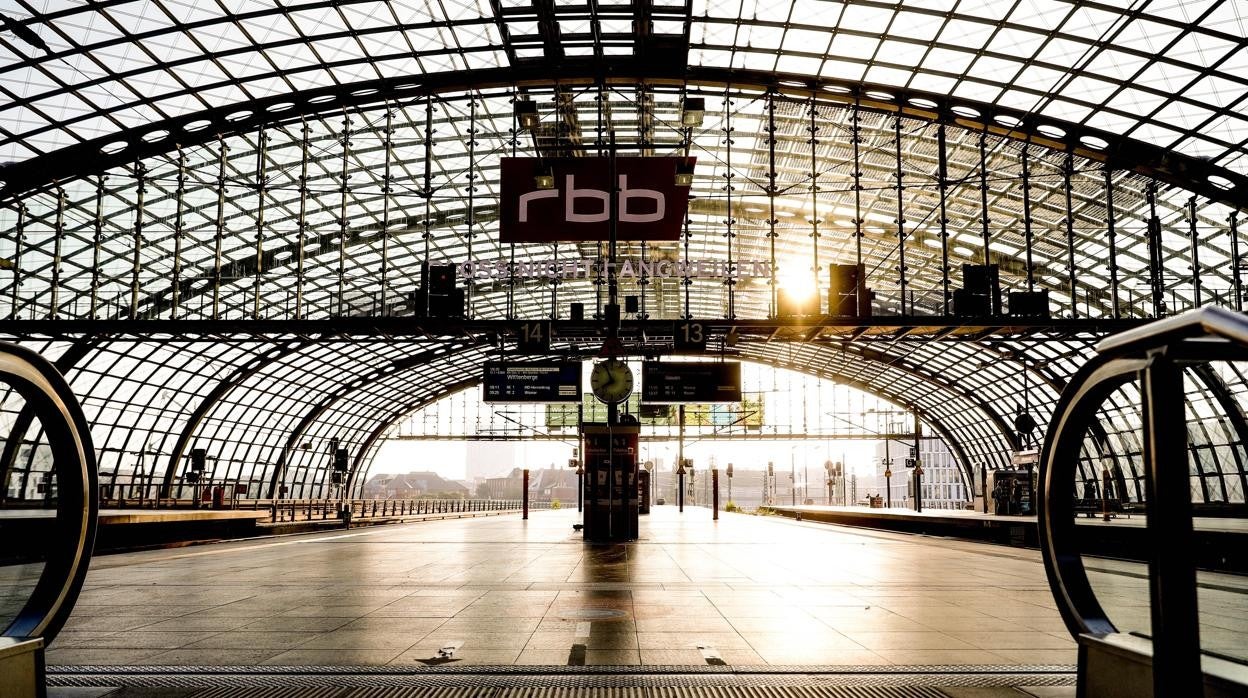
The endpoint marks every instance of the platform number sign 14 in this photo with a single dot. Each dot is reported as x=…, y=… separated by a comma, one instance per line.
x=533, y=337
x=690, y=335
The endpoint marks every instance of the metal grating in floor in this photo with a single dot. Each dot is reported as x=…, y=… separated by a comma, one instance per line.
x=555, y=681
x=560, y=669
x=449, y=692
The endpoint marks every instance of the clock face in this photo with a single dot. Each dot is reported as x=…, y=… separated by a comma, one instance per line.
x=611, y=381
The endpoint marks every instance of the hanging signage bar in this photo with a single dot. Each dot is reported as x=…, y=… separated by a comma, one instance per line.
x=569, y=199
x=681, y=381
x=549, y=381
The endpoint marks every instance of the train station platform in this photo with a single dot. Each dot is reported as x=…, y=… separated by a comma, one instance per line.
x=747, y=595
x=954, y=523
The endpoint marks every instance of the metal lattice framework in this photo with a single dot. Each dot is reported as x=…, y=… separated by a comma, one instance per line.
x=295, y=163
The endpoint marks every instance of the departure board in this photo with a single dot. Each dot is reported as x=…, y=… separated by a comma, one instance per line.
x=547, y=381
x=688, y=381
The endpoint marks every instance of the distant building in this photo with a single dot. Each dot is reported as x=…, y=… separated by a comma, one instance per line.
x=944, y=485
x=553, y=483
x=411, y=485
x=544, y=484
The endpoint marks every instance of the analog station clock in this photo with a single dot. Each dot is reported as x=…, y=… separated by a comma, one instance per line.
x=611, y=381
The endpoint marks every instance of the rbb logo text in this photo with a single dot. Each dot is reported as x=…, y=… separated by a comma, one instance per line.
x=598, y=203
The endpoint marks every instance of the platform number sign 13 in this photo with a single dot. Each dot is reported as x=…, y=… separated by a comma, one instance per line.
x=690, y=335
x=533, y=337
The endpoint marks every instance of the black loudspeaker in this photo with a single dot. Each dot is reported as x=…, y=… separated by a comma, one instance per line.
x=844, y=279
x=981, y=280
x=340, y=460
x=576, y=311
x=631, y=304
x=1029, y=304
x=335, y=478
x=967, y=304
x=439, y=279
x=199, y=460
x=848, y=295
x=448, y=305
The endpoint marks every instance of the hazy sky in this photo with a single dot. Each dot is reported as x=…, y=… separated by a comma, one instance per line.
x=449, y=458
x=793, y=403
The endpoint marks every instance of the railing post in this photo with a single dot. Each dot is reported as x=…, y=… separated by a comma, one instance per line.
x=1172, y=569
x=715, y=494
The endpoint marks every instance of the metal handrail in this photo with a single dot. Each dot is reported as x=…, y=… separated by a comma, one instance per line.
x=311, y=509
x=67, y=549
x=1155, y=356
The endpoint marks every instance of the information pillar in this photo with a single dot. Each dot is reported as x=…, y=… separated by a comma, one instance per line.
x=611, y=482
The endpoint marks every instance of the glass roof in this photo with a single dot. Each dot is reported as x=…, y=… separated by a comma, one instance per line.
x=323, y=212
x=1171, y=73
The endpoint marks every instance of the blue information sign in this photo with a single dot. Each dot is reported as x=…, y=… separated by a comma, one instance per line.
x=546, y=381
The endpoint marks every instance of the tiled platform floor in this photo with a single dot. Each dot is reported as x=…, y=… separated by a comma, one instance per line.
x=748, y=590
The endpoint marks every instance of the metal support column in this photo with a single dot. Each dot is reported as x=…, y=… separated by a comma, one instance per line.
x=262, y=187
x=1111, y=233
x=179, y=224
x=814, y=201
x=1172, y=571
x=983, y=194
x=1236, y=278
x=901, y=218
x=136, y=258
x=1156, y=263
x=427, y=192
x=1027, y=236
x=343, y=194
x=302, y=226
x=855, y=119
x=771, y=199
x=1068, y=171
x=1195, y=235
x=58, y=239
x=386, y=179
x=918, y=463
x=729, y=281
x=942, y=176
x=97, y=239
x=470, y=218
x=524, y=494
x=715, y=494
x=19, y=236
x=219, y=231
x=680, y=458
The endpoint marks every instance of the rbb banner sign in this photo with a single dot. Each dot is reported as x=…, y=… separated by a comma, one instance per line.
x=650, y=205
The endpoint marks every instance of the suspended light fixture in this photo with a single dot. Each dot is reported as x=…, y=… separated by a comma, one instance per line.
x=526, y=113
x=692, y=110
x=545, y=178
x=684, y=174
